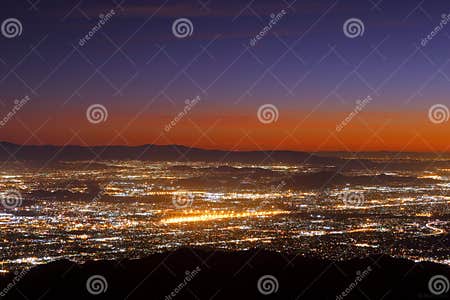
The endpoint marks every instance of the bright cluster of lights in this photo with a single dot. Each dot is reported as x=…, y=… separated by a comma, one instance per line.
x=220, y=215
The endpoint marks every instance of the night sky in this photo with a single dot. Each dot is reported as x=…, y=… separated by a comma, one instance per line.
x=304, y=65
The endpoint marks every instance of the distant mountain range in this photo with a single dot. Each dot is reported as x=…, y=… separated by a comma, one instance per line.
x=256, y=274
x=11, y=152
x=177, y=153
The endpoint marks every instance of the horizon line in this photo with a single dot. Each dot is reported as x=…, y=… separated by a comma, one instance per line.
x=224, y=150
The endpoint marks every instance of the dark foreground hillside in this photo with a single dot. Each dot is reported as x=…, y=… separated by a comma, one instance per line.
x=201, y=274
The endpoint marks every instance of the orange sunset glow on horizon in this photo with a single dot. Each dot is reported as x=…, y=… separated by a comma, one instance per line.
x=368, y=131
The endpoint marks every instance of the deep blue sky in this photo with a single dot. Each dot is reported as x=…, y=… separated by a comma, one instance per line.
x=303, y=65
